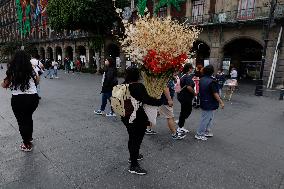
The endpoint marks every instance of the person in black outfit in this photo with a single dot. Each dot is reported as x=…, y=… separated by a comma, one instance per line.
x=22, y=79
x=108, y=82
x=185, y=96
x=136, y=129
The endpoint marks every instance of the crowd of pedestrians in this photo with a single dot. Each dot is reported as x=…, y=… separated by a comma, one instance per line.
x=190, y=85
x=195, y=85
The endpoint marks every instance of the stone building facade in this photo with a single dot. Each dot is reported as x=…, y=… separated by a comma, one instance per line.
x=234, y=31
x=8, y=23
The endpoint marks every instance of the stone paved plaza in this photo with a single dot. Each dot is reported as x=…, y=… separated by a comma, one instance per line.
x=76, y=149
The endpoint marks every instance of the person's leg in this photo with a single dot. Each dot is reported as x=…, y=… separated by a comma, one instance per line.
x=186, y=108
x=38, y=89
x=210, y=123
x=19, y=106
x=140, y=133
x=132, y=144
x=33, y=104
x=104, y=101
x=205, y=119
x=55, y=72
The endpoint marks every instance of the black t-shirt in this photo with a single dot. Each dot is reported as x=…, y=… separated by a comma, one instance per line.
x=184, y=94
x=214, y=87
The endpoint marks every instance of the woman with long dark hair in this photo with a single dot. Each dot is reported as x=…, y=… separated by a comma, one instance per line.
x=22, y=79
x=136, y=128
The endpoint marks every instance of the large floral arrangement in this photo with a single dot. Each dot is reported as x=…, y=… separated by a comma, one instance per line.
x=160, y=47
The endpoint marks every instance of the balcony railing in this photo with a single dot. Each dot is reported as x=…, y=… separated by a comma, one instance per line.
x=257, y=13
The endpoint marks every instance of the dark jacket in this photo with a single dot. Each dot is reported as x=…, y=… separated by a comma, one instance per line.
x=207, y=87
x=138, y=91
x=110, y=79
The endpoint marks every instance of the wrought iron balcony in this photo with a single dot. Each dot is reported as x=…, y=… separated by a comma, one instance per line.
x=241, y=15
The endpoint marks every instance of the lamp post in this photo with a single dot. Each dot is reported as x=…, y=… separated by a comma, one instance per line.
x=259, y=84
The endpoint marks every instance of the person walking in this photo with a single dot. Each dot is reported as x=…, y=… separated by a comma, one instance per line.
x=137, y=127
x=108, y=82
x=209, y=102
x=185, y=96
x=72, y=66
x=221, y=78
x=38, y=67
x=55, y=69
x=22, y=79
x=48, y=66
x=66, y=64
x=167, y=111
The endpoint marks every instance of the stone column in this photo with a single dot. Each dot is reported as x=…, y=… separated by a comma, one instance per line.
x=54, y=53
x=74, y=52
x=88, y=58
x=188, y=8
x=216, y=55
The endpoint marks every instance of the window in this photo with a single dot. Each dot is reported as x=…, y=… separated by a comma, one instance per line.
x=246, y=9
x=197, y=11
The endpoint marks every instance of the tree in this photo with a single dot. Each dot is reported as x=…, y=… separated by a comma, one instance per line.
x=95, y=16
x=174, y=3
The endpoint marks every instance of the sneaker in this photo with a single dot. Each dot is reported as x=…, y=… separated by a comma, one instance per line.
x=200, y=137
x=31, y=140
x=137, y=170
x=176, y=121
x=98, y=112
x=56, y=77
x=178, y=136
x=182, y=130
x=26, y=148
x=111, y=114
x=150, y=132
x=140, y=157
x=208, y=134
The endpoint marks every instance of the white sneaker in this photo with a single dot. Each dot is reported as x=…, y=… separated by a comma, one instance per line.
x=111, y=114
x=200, y=137
x=99, y=112
x=176, y=121
x=182, y=130
x=208, y=134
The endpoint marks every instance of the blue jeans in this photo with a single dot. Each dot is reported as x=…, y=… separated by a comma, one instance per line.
x=55, y=72
x=49, y=72
x=206, y=122
x=105, y=97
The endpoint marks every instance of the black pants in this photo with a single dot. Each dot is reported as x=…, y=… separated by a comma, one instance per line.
x=136, y=132
x=186, y=109
x=23, y=107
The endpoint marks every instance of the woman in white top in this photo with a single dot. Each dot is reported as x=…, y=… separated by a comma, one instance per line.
x=22, y=79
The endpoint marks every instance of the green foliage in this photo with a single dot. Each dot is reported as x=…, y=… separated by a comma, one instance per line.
x=141, y=6
x=96, y=43
x=9, y=48
x=96, y=16
x=174, y=3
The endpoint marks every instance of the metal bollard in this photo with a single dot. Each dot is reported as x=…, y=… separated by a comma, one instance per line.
x=281, y=94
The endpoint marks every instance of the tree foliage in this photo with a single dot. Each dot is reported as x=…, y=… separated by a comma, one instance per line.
x=174, y=3
x=96, y=16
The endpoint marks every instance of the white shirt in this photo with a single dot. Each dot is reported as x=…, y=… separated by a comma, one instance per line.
x=234, y=74
x=31, y=90
x=55, y=65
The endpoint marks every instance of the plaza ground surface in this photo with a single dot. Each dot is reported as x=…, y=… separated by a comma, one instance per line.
x=74, y=148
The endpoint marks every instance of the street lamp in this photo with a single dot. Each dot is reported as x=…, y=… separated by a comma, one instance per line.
x=259, y=84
